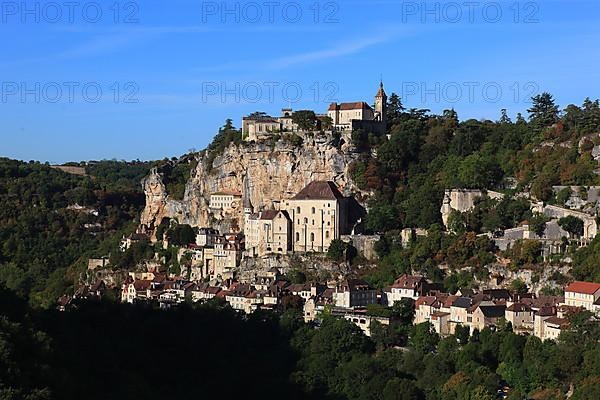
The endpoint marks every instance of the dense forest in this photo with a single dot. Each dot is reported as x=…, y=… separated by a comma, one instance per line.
x=45, y=241
x=426, y=154
x=109, y=351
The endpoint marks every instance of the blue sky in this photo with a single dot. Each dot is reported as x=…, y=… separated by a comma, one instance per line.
x=171, y=72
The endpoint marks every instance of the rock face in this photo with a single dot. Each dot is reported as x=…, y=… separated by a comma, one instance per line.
x=274, y=172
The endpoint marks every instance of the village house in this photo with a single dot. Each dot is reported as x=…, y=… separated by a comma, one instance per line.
x=314, y=306
x=319, y=214
x=135, y=290
x=487, y=314
x=206, y=237
x=552, y=327
x=409, y=287
x=460, y=313
x=520, y=315
x=583, y=294
x=354, y=293
x=227, y=256
x=306, y=290
x=439, y=304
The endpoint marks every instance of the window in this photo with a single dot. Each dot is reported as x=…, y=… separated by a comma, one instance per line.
x=313, y=221
x=312, y=237
x=326, y=234
x=297, y=236
x=306, y=220
x=313, y=210
x=298, y=210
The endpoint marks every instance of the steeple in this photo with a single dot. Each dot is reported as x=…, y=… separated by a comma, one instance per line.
x=381, y=92
x=381, y=103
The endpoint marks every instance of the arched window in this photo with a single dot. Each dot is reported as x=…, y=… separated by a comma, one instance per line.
x=297, y=236
x=298, y=210
x=326, y=234
x=313, y=210
x=312, y=237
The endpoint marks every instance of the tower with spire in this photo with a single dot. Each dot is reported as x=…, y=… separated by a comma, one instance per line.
x=381, y=104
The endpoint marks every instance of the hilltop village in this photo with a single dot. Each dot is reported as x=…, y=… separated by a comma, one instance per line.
x=255, y=250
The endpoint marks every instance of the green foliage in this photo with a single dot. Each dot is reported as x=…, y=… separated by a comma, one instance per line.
x=44, y=245
x=518, y=287
x=586, y=261
x=423, y=338
x=525, y=252
x=572, y=224
x=426, y=154
x=181, y=235
x=544, y=111
x=306, y=119
x=227, y=135
x=341, y=251
x=175, y=175
x=537, y=223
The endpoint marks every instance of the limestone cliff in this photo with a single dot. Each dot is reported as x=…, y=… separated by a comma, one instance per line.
x=274, y=171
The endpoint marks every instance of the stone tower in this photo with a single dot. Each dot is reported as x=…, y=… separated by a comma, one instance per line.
x=381, y=103
x=247, y=204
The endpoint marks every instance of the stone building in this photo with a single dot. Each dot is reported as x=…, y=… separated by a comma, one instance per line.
x=268, y=232
x=318, y=214
x=225, y=201
x=354, y=293
x=360, y=115
x=227, y=256
x=463, y=200
x=260, y=126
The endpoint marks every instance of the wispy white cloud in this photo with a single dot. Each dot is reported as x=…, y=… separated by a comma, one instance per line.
x=336, y=51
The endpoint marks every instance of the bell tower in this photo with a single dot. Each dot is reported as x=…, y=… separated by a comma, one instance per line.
x=381, y=103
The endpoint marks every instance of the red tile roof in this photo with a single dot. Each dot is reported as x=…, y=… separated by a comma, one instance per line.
x=583, y=287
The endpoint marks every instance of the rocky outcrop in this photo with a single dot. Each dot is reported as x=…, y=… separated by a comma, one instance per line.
x=274, y=171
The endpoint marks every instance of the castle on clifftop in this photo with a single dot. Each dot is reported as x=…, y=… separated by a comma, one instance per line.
x=352, y=116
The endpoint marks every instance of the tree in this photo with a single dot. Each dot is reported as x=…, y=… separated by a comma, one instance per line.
x=504, y=118
x=424, y=339
x=305, y=119
x=589, y=389
x=537, y=224
x=462, y=334
x=544, y=112
x=401, y=389
x=181, y=235
x=337, y=249
x=518, y=287
x=326, y=123
x=395, y=110
x=572, y=224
